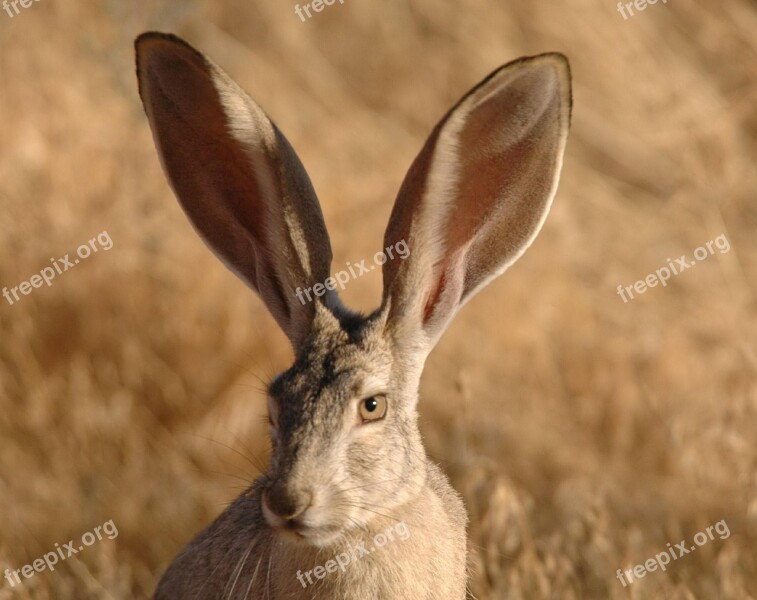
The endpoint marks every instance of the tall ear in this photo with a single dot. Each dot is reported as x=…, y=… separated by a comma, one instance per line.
x=237, y=178
x=476, y=195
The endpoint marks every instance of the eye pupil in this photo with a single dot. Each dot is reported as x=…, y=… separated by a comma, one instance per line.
x=373, y=408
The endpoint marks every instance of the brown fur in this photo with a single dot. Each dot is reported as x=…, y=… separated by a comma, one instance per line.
x=472, y=203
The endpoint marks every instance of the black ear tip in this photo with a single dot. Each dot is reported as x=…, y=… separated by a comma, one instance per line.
x=143, y=39
x=158, y=52
x=157, y=36
x=163, y=44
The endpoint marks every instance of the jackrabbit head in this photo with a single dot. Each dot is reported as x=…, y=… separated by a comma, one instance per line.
x=343, y=418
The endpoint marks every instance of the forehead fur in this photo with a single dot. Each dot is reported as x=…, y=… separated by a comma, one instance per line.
x=350, y=349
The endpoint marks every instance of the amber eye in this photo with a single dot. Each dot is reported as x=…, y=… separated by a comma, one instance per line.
x=373, y=408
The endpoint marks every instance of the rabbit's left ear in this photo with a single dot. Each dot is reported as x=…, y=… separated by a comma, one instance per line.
x=238, y=179
x=476, y=195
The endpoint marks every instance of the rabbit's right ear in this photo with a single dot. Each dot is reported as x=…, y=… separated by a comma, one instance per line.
x=237, y=178
x=476, y=196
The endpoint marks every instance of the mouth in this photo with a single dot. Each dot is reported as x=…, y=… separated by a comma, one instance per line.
x=308, y=535
x=310, y=528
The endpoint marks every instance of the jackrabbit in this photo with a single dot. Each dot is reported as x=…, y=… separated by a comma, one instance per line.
x=348, y=473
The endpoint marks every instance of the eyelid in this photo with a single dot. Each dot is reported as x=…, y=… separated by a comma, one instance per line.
x=371, y=394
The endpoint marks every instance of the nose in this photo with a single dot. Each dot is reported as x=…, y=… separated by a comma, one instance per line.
x=285, y=502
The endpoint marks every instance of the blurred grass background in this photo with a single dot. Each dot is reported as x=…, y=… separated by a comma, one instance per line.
x=584, y=433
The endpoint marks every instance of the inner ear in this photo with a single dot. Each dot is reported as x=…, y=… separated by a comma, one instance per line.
x=446, y=291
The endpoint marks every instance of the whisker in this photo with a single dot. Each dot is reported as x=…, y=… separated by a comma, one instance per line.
x=210, y=577
x=247, y=458
x=254, y=575
x=258, y=464
x=239, y=567
x=391, y=518
x=225, y=474
x=268, y=577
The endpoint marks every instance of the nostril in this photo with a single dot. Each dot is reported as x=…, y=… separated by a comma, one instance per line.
x=285, y=503
x=303, y=504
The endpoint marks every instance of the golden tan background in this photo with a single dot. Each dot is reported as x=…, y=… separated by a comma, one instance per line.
x=584, y=433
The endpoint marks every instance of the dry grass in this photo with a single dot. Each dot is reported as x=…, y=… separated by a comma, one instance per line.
x=585, y=433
